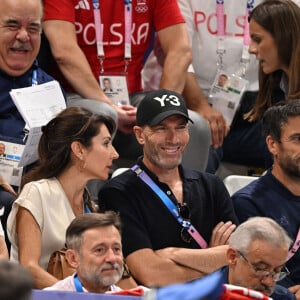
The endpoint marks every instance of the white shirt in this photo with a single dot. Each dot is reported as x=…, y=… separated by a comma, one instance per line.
x=50, y=207
x=201, y=21
x=67, y=284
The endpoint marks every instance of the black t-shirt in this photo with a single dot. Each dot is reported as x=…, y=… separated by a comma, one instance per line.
x=146, y=221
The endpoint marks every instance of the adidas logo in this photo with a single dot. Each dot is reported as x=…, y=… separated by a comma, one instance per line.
x=83, y=4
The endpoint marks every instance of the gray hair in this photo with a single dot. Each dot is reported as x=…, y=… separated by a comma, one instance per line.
x=82, y=223
x=258, y=228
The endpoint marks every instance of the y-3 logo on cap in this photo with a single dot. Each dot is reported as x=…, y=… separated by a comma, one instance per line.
x=165, y=98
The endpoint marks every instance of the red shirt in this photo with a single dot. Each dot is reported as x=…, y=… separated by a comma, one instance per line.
x=147, y=15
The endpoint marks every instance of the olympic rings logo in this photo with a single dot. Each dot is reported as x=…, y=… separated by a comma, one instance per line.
x=141, y=8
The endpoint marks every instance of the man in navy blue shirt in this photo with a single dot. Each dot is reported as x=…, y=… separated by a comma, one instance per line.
x=20, y=38
x=277, y=194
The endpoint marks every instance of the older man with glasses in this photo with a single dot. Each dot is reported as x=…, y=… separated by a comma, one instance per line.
x=257, y=253
x=256, y=257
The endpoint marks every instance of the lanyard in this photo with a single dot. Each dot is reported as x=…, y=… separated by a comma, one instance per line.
x=171, y=206
x=34, y=82
x=34, y=77
x=86, y=209
x=295, y=247
x=246, y=41
x=99, y=32
x=221, y=35
x=78, y=284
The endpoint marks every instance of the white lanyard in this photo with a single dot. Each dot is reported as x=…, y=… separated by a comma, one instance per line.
x=99, y=32
x=221, y=34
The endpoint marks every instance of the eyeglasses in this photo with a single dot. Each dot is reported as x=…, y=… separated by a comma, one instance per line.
x=185, y=214
x=261, y=274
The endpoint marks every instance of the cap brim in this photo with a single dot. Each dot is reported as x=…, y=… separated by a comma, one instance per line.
x=160, y=117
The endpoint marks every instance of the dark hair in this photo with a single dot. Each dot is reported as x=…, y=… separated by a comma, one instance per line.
x=281, y=18
x=277, y=116
x=16, y=282
x=223, y=75
x=88, y=221
x=72, y=124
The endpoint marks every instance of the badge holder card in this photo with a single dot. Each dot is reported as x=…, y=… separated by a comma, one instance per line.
x=9, y=163
x=228, y=87
x=114, y=85
x=115, y=88
x=226, y=93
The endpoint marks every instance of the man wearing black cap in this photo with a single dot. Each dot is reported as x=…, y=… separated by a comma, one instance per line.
x=162, y=204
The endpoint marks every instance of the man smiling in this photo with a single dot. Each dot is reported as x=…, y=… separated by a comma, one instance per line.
x=20, y=38
x=197, y=198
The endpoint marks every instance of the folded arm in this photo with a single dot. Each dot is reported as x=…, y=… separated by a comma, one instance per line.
x=203, y=260
x=151, y=269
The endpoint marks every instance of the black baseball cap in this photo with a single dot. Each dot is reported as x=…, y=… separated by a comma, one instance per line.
x=159, y=105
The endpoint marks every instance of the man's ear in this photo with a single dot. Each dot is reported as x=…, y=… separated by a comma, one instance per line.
x=72, y=257
x=272, y=145
x=232, y=256
x=138, y=131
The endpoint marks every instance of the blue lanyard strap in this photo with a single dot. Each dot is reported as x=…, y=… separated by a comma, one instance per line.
x=250, y=4
x=170, y=205
x=86, y=196
x=34, y=77
x=78, y=284
x=86, y=209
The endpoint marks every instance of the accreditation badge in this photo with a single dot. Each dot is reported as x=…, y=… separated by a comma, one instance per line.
x=226, y=93
x=115, y=88
x=9, y=162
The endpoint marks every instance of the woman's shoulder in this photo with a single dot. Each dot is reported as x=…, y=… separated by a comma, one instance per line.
x=45, y=182
x=42, y=186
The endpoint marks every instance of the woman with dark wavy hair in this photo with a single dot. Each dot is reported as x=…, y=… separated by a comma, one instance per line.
x=275, y=40
x=75, y=146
